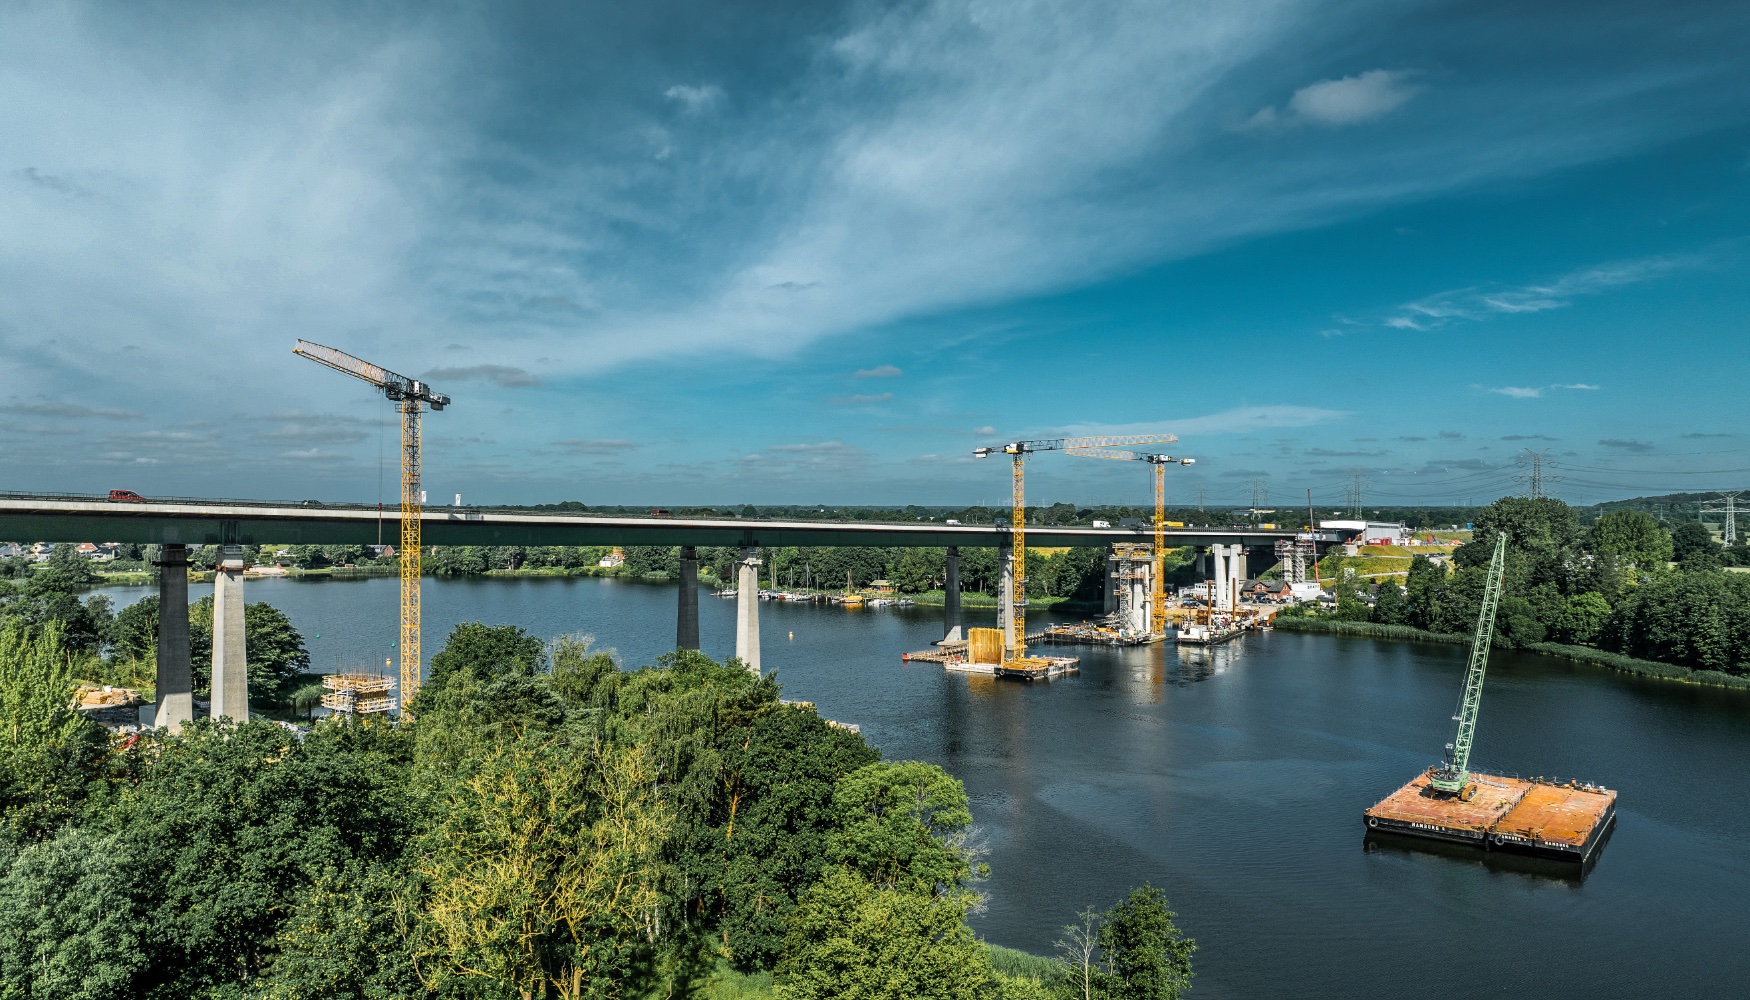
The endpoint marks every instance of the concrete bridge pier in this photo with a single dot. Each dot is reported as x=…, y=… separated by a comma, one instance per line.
x=1219, y=557
x=1236, y=574
x=952, y=630
x=175, y=707
x=230, y=669
x=1202, y=564
x=747, y=609
x=687, y=615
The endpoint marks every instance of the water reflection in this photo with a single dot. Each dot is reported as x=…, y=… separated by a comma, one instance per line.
x=1502, y=862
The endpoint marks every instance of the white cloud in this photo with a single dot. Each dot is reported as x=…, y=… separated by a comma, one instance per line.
x=861, y=399
x=695, y=99
x=1353, y=99
x=879, y=371
x=1479, y=304
x=1536, y=391
x=1240, y=420
x=985, y=431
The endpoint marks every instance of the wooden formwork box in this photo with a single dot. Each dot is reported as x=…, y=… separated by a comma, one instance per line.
x=985, y=645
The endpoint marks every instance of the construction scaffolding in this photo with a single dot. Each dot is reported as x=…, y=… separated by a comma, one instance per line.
x=358, y=694
x=1295, y=556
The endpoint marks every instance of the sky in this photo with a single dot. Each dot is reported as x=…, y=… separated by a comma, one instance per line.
x=681, y=253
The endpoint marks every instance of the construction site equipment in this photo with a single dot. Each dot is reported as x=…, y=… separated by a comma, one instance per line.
x=1157, y=589
x=1448, y=801
x=358, y=694
x=986, y=645
x=412, y=395
x=1453, y=778
x=1018, y=452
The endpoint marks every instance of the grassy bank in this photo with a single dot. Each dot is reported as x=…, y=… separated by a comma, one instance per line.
x=1579, y=654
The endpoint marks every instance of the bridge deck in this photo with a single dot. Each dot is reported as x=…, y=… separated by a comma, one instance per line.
x=212, y=522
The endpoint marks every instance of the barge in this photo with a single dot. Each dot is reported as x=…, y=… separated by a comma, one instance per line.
x=1564, y=820
x=1206, y=635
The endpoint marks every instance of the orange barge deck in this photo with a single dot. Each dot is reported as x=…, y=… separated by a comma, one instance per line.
x=1566, y=820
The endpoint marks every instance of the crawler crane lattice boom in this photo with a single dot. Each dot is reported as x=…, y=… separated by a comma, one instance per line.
x=1455, y=776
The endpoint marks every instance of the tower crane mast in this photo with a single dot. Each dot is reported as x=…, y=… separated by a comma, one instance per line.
x=1018, y=452
x=413, y=396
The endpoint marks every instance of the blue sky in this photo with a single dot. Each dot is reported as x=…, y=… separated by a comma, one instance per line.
x=701, y=252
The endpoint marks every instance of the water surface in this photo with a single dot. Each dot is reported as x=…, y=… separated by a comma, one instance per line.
x=1235, y=779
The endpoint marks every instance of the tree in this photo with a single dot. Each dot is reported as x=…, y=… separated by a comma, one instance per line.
x=1079, y=952
x=1632, y=536
x=225, y=825
x=135, y=634
x=1390, y=606
x=486, y=651
x=852, y=940
x=768, y=839
x=1146, y=956
x=48, y=750
x=66, y=921
x=347, y=938
x=902, y=824
x=1690, y=539
x=1699, y=620
x=273, y=650
x=545, y=872
x=918, y=570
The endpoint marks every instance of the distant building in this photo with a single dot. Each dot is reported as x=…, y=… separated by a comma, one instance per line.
x=1369, y=532
x=11, y=550
x=613, y=559
x=881, y=586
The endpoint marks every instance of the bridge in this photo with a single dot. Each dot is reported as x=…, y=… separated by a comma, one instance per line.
x=177, y=523
x=191, y=521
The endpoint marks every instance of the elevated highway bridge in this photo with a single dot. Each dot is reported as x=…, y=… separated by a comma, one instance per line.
x=190, y=521
x=177, y=523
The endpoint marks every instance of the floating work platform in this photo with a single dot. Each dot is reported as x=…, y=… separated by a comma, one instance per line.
x=953, y=656
x=1565, y=820
x=1038, y=668
x=1205, y=635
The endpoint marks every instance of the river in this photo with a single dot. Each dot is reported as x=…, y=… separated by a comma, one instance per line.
x=1234, y=779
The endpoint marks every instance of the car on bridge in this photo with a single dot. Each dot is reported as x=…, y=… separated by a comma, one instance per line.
x=126, y=496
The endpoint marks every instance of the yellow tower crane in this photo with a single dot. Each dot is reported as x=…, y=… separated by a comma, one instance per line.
x=1158, y=589
x=1018, y=452
x=412, y=395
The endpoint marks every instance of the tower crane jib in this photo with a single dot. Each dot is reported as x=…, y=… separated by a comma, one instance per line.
x=413, y=396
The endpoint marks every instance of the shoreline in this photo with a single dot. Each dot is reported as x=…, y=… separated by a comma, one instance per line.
x=1648, y=669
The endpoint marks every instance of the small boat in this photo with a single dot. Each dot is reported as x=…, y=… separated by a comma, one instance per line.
x=852, y=600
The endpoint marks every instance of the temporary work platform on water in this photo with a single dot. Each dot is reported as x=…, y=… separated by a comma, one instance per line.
x=982, y=653
x=1566, y=820
x=1555, y=819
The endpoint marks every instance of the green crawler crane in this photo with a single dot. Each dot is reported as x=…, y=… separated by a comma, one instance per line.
x=1454, y=777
